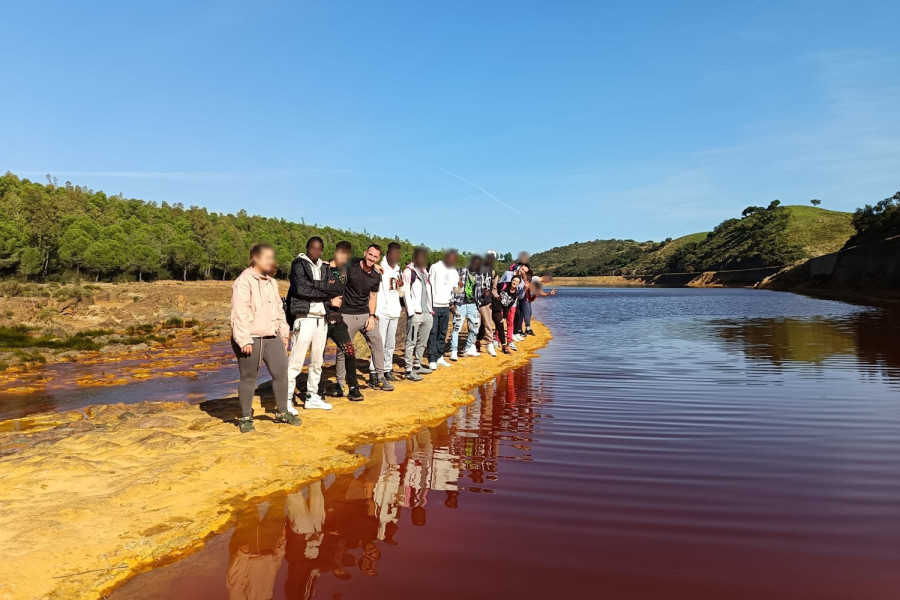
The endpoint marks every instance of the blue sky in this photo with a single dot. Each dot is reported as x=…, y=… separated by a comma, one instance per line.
x=473, y=124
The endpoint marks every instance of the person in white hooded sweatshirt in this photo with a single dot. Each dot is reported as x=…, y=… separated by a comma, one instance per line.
x=444, y=283
x=306, y=302
x=388, y=309
x=419, y=313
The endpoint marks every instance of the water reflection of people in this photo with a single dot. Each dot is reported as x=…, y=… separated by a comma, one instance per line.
x=256, y=550
x=305, y=519
x=341, y=529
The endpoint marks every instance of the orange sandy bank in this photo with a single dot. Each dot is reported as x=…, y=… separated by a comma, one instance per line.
x=91, y=498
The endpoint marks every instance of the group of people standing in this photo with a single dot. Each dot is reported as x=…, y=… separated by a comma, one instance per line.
x=342, y=297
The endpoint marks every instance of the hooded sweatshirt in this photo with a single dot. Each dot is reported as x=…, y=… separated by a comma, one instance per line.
x=389, y=292
x=309, y=289
x=443, y=280
x=418, y=291
x=256, y=308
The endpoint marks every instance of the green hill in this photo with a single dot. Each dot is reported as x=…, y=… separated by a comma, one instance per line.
x=762, y=237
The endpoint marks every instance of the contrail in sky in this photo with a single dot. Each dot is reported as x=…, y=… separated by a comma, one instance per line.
x=484, y=191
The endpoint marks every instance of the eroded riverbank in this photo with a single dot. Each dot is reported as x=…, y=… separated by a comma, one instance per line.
x=92, y=497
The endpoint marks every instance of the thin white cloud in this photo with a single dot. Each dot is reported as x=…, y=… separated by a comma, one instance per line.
x=485, y=192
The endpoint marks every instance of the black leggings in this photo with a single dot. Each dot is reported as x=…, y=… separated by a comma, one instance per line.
x=340, y=335
x=269, y=350
x=499, y=317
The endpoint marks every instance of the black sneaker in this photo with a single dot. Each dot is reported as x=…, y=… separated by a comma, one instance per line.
x=246, y=424
x=373, y=379
x=338, y=391
x=287, y=419
x=390, y=376
x=530, y=331
x=354, y=395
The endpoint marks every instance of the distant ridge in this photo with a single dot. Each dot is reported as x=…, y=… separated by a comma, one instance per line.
x=763, y=237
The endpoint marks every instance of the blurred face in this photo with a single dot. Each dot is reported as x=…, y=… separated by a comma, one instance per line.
x=371, y=257
x=420, y=260
x=314, y=251
x=265, y=261
x=489, y=260
x=450, y=259
x=524, y=257
x=393, y=256
x=341, y=257
x=475, y=265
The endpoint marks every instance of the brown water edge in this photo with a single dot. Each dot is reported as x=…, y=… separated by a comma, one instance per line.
x=160, y=474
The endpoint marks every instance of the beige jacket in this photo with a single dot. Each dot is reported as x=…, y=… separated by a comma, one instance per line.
x=256, y=308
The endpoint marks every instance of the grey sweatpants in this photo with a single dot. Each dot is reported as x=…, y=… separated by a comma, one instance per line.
x=357, y=324
x=269, y=350
x=418, y=328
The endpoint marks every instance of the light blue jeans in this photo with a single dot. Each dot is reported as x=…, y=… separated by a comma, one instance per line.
x=465, y=312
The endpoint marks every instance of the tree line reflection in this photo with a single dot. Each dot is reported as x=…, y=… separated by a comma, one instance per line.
x=871, y=337
x=340, y=526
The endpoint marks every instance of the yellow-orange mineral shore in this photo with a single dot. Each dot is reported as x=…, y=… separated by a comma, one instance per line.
x=91, y=498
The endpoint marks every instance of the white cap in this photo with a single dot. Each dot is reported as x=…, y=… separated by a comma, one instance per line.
x=492, y=253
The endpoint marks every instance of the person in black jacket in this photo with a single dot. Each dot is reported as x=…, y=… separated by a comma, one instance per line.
x=313, y=288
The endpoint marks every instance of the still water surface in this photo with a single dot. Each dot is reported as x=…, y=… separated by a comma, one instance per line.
x=702, y=444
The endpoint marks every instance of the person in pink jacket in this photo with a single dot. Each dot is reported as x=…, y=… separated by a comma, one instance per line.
x=259, y=334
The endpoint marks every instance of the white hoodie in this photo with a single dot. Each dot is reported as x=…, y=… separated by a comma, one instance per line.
x=388, y=301
x=316, y=309
x=443, y=280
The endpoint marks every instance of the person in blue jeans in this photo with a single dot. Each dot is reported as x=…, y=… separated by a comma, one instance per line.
x=465, y=307
x=444, y=280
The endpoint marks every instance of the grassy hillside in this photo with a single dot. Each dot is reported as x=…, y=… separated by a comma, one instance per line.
x=762, y=237
x=817, y=230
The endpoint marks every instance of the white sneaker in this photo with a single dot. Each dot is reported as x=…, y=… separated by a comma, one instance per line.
x=443, y=362
x=512, y=346
x=291, y=408
x=518, y=338
x=453, y=356
x=491, y=350
x=471, y=352
x=315, y=401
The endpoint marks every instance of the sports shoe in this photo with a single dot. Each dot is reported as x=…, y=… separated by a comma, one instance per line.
x=384, y=385
x=491, y=350
x=518, y=337
x=354, y=395
x=454, y=355
x=373, y=379
x=287, y=418
x=291, y=408
x=413, y=376
x=246, y=424
x=471, y=352
x=512, y=346
x=420, y=370
x=389, y=375
x=315, y=401
x=505, y=349
x=338, y=391
x=530, y=331
x=443, y=362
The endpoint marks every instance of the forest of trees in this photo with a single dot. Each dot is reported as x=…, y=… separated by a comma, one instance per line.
x=873, y=223
x=51, y=232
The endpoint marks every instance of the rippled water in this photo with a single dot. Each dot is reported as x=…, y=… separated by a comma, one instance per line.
x=703, y=444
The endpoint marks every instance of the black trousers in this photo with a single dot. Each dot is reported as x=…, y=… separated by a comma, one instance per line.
x=340, y=335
